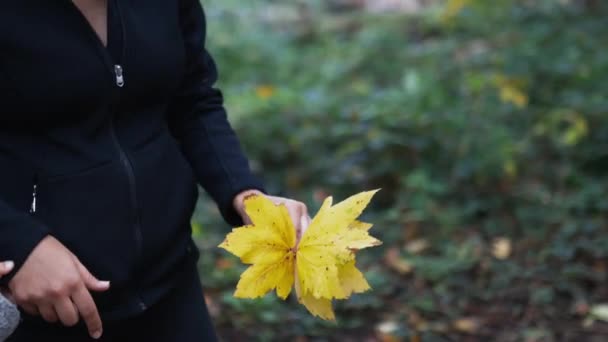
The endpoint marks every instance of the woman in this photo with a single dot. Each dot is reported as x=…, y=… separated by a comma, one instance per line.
x=109, y=120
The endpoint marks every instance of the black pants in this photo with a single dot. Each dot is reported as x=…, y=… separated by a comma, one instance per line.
x=179, y=317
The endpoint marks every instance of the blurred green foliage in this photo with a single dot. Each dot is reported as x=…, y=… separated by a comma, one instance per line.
x=486, y=125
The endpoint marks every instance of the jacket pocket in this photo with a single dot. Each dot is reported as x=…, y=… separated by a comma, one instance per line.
x=90, y=214
x=16, y=183
x=167, y=193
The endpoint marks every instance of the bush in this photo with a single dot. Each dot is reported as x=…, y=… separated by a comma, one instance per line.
x=486, y=125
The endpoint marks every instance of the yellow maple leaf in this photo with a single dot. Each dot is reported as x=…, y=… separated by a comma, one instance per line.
x=323, y=262
x=320, y=307
x=351, y=279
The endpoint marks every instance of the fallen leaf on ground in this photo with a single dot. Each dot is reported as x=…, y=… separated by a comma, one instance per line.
x=417, y=246
x=387, y=330
x=394, y=261
x=466, y=325
x=501, y=248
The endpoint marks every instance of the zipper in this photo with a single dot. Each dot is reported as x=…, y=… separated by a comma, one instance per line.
x=120, y=83
x=118, y=78
x=34, y=197
x=128, y=166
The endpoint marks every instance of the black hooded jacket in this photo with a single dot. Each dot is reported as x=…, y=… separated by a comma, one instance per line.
x=103, y=147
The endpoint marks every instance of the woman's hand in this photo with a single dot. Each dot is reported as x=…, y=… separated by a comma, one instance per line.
x=297, y=210
x=54, y=284
x=6, y=267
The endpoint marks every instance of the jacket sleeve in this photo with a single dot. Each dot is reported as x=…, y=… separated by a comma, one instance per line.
x=20, y=233
x=198, y=121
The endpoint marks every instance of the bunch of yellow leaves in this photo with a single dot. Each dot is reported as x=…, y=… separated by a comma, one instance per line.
x=321, y=264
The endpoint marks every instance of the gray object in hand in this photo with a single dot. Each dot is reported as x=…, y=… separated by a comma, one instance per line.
x=9, y=318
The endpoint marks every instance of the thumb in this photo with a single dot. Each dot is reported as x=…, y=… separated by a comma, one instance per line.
x=6, y=267
x=89, y=280
x=304, y=223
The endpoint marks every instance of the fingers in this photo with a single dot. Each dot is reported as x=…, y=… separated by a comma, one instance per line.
x=48, y=313
x=6, y=267
x=246, y=219
x=54, y=284
x=294, y=214
x=84, y=302
x=88, y=311
x=298, y=212
x=305, y=221
x=89, y=280
x=299, y=215
x=239, y=204
x=67, y=312
x=7, y=294
x=30, y=309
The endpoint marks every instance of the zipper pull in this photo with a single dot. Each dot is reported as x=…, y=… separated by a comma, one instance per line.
x=120, y=80
x=34, y=193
